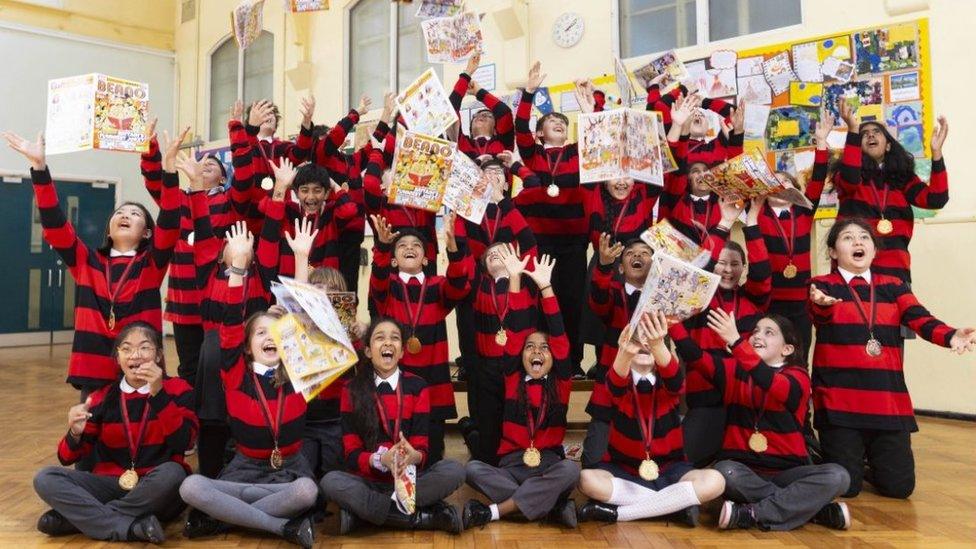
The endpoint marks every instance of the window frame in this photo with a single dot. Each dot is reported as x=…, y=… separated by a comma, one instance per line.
x=702, y=29
x=240, y=74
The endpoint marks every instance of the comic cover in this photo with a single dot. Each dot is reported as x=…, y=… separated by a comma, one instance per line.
x=468, y=190
x=438, y=8
x=748, y=176
x=421, y=170
x=623, y=143
x=425, y=105
x=452, y=39
x=301, y=6
x=96, y=111
x=247, y=22
x=675, y=287
x=666, y=62
x=663, y=237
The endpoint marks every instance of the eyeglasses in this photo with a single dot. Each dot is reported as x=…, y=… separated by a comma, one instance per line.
x=143, y=350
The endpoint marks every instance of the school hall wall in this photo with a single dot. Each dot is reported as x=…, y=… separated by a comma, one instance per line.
x=944, y=273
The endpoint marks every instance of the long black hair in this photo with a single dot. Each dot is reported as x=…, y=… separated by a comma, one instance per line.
x=549, y=394
x=107, y=243
x=790, y=337
x=898, y=164
x=362, y=390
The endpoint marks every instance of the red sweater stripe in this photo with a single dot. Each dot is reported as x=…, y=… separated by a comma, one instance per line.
x=511, y=227
x=624, y=219
x=504, y=137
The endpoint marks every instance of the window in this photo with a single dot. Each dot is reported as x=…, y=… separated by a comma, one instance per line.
x=648, y=26
x=236, y=75
x=381, y=31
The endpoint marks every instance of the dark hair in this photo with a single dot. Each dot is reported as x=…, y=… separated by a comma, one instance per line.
x=737, y=248
x=845, y=222
x=899, y=164
x=311, y=174
x=792, y=179
x=409, y=231
x=548, y=387
x=492, y=163
x=634, y=242
x=362, y=390
x=107, y=244
x=790, y=337
x=553, y=114
x=151, y=333
x=274, y=109
x=281, y=376
x=319, y=131
x=212, y=156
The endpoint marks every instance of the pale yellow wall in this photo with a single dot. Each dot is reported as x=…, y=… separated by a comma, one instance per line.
x=137, y=22
x=944, y=272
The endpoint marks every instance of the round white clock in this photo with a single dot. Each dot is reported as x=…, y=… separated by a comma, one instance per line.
x=567, y=31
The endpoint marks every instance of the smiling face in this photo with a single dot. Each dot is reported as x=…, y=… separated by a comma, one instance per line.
x=635, y=263
x=311, y=196
x=135, y=350
x=730, y=266
x=260, y=344
x=699, y=124
x=768, y=342
x=408, y=254
x=212, y=175
x=696, y=179
x=536, y=356
x=873, y=142
x=127, y=227
x=385, y=348
x=483, y=124
x=854, y=249
x=553, y=130
x=620, y=188
x=493, y=261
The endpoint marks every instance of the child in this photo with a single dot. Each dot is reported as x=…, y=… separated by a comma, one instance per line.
x=864, y=412
x=877, y=183
x=267, y=486
x=769, y=479
x=385, y=419
x=138, y=429
x=118, y=283
x=401, y=290
x=492, y=131
x=786, y=231
x=644, y=473
x=553, y=205
x=533, y=475
x=728, y=144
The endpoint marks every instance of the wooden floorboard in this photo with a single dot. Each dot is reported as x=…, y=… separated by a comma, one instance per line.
x=34, y=402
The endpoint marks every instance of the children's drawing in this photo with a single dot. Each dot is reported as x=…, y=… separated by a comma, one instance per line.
x=790, y=127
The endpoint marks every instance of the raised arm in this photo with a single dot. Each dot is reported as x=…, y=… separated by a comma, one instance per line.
x=379, y=278
x=759, y=279
x=524, y=137
x=935, y=195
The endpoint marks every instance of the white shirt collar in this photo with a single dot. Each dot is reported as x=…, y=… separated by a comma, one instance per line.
x=392, y=380
x=528, y=378
x=779, y=211
x=129, y=389
x=630, y=288
x=697, y=198
x=776, y=365
x=848, y=276
x=117, y=253
x=405, y=277
x=261, y=369
x=637, y=377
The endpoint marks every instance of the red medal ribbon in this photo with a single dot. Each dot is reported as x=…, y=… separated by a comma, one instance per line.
x=782, y=232
x=646, y=425
x=860, y=306
x=122, y=280
x=273, y=422
x=494, y=301
x=414, y=316
x=494, y=230
x=535, y=422
x=881, y=201
x=554, y=167
x=384, y=421
x=702, y=228
x=134, y=442
x=761, y=409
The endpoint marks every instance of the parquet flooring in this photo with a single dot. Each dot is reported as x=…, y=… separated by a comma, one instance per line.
x=34, y=401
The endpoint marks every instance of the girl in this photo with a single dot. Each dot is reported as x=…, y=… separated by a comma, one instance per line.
x=533, y=475
x=118, y=283
x=769, y=479
x=727, y=144
x=644, y=473
x=138, y=429
x=877, y=182
x=492, y=129
x=267, y=486
x=385, y=416
x=864, y=412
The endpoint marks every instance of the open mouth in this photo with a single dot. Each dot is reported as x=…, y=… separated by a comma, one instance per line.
x=859, y=254
x=758, y=345
x=535, y=366
x=637, y=264
x=269, y=348
x=410, y=255
x=125, y=225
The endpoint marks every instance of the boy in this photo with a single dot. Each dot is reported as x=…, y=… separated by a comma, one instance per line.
x=492, y=130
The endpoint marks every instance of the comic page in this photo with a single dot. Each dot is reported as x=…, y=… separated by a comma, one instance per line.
x=247, y=22
x=438, y=8
x=425, y=105
x=676, y=288
x=70, y=114
x=468, y=190
x=601, y=145
x=121, y=115
x=663, y=237
x=748, y=176
x=421, y=170
x=667, y=62
x=452, y=39
x=302, y=6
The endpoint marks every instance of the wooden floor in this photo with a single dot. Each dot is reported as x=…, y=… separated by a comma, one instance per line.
x=34, y=402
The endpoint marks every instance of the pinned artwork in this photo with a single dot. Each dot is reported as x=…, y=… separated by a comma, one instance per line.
x=903, y=87
x=806, y=62
x=713, y=82
x=778, y=72
x=837, y=69
x=808, y=94
x=886, y=49
x=857, y=93
x=790, y=127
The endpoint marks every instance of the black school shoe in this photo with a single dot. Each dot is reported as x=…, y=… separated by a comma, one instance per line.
x=834, y=515
x=439, y=516
x=475, y=514
x=300, y=531
x=564, y=513
x=597, y=511
x=148, y=529
x=54, y=524
x=686, y=517
x=347, y=521
x=736, y=515
x=201, y=525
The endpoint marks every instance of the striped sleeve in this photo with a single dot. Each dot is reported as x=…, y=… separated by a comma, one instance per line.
x=167, y=231
x=933, y=196
x=919, y=319
x=151, y=166
x=524, y=137
x=781, y=386
x=57, y=230
x=232, y=339
x=759, y=279
x=504, y=122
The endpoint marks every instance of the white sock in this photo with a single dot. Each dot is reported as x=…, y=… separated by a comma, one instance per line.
x=494, y=512
x=635, y=502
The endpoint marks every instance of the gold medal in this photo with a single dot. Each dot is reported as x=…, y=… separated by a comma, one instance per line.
x=128, y=479
x=532, y=457
x=648, y=470
x=758, y=442
x=413, y=345
x=276, y=459
x=501, y=337
x=885, y=226
x=873, y=347
x=552, y=190
x=111, y=320
x=789, y=271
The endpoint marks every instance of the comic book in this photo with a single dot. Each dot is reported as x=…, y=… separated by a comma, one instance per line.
x=663, y=237
x=438, y=8
x=421, y=170
x=96, y=111
x=748, y=176
x=666, y=62
x=452, y=39
x=468, y=190
x=678, y=289
x=404, y=486
x=247, y=22
x=345, y=305
x=301, y=6
x=627, y=91
x=425, y=105
x=623, y=143
x=313, y=343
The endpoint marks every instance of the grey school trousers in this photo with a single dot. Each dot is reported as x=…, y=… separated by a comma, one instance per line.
x=788, y=499
x=370, y=500
x=535, y=490
x=97, y=506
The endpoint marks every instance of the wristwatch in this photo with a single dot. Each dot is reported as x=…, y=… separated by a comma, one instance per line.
x=232, y=270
